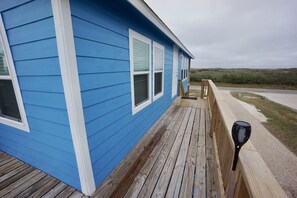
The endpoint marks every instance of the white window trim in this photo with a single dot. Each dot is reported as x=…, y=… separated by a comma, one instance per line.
x=70, y=79
x=13, y=77
x=184, y=74
x=133, y=34
x=157, y=45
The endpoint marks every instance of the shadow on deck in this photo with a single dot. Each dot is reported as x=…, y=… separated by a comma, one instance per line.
x=174, y=159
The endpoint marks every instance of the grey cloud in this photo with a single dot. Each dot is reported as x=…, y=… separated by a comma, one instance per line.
x=234, y=33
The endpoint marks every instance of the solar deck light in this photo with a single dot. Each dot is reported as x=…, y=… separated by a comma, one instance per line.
x=241, y=132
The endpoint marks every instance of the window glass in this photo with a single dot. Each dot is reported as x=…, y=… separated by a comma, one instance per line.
x=158, y=83
x=140, y=55
x=140, y=88
x=3, y=64
x=158, y=59
x=8, y=103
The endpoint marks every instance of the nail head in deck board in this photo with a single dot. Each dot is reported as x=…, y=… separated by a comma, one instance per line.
x=177, y=175
x=13, y=172
x=164, y=179
x=111, y=182
x=66, y=192
x=139, y=180
x=154, y=174
x=56, y=190
x=14, y=178
x=188, y=180
x=23, y=183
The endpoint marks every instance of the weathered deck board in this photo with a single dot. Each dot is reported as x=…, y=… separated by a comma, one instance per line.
x=18, y=179
x=180, y=163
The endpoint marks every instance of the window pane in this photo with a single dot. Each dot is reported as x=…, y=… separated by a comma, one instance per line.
x=158, y=83
x=158, y=58
x=140, y=55
x=140, y=88
x=3, y=64
x=8, y=103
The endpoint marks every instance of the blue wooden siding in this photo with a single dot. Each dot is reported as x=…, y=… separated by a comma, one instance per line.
x=48, y=146
x=102, y=46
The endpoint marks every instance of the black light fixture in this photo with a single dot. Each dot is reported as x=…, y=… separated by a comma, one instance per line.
x=241, y=132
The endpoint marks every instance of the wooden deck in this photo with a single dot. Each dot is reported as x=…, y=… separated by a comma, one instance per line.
x=174, y=159
x=18, y=179
x=179, y=163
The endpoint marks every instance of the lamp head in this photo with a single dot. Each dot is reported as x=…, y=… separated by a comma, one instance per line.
x=241, y=132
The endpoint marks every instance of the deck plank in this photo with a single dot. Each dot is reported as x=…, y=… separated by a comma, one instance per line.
x=20, y=185
x=14, y=178
x=200, y=180
x=112, y=181
x=45, y=187
x=154, y=174
x=139, y=180
x=66, y=192
x=188, y=181
x=178, y=171
x=164, y=179
x=5, y=159
x=55, y=190
x=13, y=172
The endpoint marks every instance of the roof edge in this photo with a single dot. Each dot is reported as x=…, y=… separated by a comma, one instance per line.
x=142, y=7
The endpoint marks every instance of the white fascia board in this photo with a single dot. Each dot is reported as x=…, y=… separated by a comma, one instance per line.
x=70, y=79
x=142, y=7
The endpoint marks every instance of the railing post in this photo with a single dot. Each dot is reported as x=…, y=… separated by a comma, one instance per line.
x=204, y=84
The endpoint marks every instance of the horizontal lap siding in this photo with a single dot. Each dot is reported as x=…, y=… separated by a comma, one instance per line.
x=48, y=146
x=102, y=47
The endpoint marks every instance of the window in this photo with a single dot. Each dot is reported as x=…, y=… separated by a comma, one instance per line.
x=11, y=106
x=158, y=68
x=140, y=67
x=184, y=67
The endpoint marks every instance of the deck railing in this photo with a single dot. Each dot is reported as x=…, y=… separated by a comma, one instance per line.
x=252, y=177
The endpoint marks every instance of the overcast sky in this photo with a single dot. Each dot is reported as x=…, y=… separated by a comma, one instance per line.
x=234, y=33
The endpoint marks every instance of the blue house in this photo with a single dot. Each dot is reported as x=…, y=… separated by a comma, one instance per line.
x=82, y=81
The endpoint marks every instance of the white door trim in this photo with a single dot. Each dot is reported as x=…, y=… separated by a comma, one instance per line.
x=174, y=71
x=69, y=73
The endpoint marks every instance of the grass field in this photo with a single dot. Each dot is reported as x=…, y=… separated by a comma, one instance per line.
x=258, y=78
x=282, y=120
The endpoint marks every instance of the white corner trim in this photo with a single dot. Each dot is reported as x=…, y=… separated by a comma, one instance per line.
x=133, y=34
x=69, y=72
x=142, y=7
x=13, y=77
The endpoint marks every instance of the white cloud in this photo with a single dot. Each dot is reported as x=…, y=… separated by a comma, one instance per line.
x=233, y=33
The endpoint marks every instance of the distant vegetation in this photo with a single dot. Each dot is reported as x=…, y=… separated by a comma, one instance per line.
x=285, y=77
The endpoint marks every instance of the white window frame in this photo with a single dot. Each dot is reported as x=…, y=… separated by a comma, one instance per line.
x=133, y=34
x=157, y=45
x=23, y=125
x=184, y=67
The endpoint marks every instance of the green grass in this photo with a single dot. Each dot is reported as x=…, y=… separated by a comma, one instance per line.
x=282, y=120
x=260, y=78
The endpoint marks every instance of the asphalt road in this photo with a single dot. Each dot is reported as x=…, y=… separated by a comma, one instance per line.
x=284, y=97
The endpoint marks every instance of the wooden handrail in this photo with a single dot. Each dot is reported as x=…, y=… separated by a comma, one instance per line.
x=252, y=177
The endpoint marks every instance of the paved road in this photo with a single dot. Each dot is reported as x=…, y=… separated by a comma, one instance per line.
x=284, y=97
